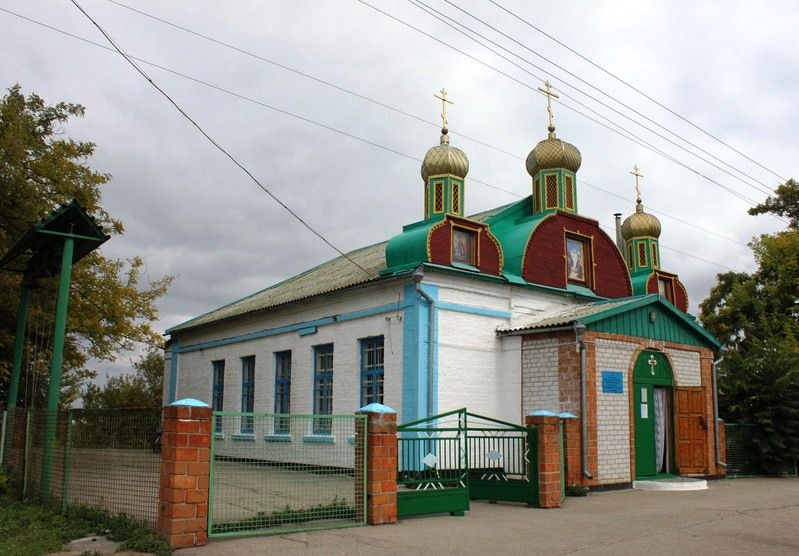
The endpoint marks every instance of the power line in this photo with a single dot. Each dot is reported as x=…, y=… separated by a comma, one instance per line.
x=768, y=190
x=219, y=147
x=749, y=201
x=637, y=90
x=441, y=17
x=336, y=130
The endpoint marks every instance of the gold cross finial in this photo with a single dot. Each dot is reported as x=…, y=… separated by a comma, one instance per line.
x=637, y=175
x=547, y=90
x=442, y=96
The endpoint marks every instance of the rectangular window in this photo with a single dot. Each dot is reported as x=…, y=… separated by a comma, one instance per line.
x=218, y=391
x=372, y=370
x=551, y=182
x=438, y=196
x=666, y=289
x=578, y=260
x=247, y=393
x=456, y=198
x=323, y=388
x=642, y=254
x=569, y=189
x=654, y=256
x=536, y=197
x=464, y=246
x=282, y=391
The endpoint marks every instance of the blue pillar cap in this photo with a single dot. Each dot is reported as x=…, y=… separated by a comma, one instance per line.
x=542, y=413
x=567, y=415
x=376, y=408
x=191, y=402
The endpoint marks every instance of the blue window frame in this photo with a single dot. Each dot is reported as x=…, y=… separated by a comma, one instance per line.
x=282, y=391
x=218, y=391
x=323, y=388
x=372, y=370
x=247, y=393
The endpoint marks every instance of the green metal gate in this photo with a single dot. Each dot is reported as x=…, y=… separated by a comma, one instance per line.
x=502, y=460
x=286, y=473
x=433, y=462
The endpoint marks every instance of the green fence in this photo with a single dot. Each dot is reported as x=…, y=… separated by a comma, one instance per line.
x=101, y=458
x=741, y=444
x=283, y=473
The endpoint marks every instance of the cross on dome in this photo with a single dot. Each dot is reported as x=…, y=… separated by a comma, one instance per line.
x=547, y=90
x=442, y=96
x=637, y=175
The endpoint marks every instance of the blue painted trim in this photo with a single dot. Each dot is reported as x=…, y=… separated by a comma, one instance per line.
x=219, y=436
x=375, y=408
x=319, y=439
x=173, y=372
x=414, y=353
x=190, y=402
x=277, y=438
x=353, y=315
x=351, y=440
x=474, y=310
x=307, y=331
x=243, y=437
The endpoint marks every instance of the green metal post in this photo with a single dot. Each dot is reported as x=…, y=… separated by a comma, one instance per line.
x=54, y=390
x=19, y=344
x=3, y=437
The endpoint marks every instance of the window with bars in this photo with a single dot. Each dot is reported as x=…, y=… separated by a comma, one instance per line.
x=456, y=198
x=551, y=182
x=569, y=192
x=642, y=254
x=247, y=393
x=426, y=201
x=323, y=388
x=218, y=391
x=438, y=194
x=372, y=370
x=282, y=391
x=630, y=255
x=654, y=256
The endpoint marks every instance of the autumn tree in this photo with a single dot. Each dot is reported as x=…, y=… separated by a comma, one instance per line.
x=756, y=316
x=139, y=389
x=111, y=308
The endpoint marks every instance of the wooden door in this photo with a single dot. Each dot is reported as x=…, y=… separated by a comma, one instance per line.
x=692, y=428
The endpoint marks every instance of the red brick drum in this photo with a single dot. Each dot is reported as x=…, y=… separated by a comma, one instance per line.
x=185, y=475
x=381, y=464
x=549, y=479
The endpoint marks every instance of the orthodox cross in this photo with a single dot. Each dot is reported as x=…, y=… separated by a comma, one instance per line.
x=547, y=90
x=652, y=364
x=637, y=175
x=442, y=96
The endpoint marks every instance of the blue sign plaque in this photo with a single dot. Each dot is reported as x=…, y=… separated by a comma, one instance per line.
x=612, y=382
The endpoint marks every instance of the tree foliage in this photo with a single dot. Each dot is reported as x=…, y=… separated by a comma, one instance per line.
x=110, y=308
x=140, y=389
x=756, y=316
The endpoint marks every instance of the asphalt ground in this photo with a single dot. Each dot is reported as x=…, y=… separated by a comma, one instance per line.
x=757, y=516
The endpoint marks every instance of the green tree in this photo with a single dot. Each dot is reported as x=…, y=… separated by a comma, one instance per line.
x=757, y=317
x=111, y=308
x=140, y=389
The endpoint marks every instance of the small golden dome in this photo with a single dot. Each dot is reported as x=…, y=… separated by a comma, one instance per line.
x=553, y=153
x=444, y=159
x=640, y=224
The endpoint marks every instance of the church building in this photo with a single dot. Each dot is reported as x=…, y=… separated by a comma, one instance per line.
x=524, y=308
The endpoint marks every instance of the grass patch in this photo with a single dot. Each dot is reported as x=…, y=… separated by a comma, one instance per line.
x=335, y=510
x=28, y=530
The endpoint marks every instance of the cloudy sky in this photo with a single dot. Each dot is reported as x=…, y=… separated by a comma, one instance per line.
x=330, y=104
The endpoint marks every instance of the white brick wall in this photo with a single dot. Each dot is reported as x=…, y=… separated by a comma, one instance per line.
x=613, y=412
x=540, y=385
x=687, y=367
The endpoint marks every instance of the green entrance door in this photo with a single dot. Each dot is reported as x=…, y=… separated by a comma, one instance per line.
x=652, y=402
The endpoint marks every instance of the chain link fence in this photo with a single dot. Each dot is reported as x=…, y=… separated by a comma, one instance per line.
x=106, y=459
x=741, y=444
x=279, y=473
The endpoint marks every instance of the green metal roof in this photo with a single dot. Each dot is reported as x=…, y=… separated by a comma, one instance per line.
x=629, y=316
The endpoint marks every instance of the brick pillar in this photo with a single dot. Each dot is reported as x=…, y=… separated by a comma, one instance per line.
x=185, y=474
x=381, y=464
x=549, y=487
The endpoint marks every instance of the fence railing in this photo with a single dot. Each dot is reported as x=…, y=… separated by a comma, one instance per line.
x=105, y=459
x=741, y=452
x=275, y=473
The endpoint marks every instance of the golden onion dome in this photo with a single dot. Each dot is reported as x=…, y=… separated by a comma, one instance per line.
x=640, y=224
x=553, y=153
x=443, y=159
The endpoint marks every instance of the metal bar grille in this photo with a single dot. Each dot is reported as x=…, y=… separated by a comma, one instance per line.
x=284, y=477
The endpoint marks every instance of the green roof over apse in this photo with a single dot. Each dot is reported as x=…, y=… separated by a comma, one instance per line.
x=629, y=317
x=512, y=226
